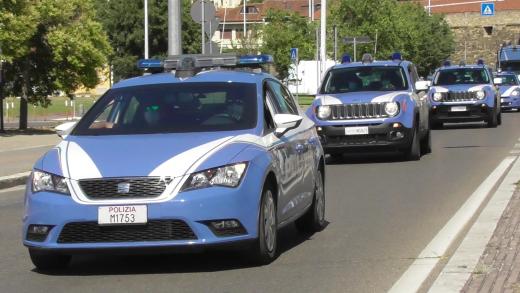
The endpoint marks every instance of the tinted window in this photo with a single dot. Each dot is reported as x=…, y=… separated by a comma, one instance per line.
x=461, y=76
x=365, y=78
x=169, y=108
x=508, y=79
x=283, y=101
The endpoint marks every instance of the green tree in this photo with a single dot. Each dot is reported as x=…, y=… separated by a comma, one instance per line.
x=403, y=27
x=61, y=49
x=286, y=30
x=123, y=21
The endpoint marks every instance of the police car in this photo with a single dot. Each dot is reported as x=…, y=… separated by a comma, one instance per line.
x=464, y=93
x=210, y=155
x=373, y=105
x=509, y=87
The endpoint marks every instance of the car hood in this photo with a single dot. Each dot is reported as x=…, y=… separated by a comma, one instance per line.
x=162, y=155
x=360, y=97
x=458, y=88
x=505, y=91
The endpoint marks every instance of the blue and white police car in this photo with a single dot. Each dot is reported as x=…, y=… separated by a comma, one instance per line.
x=464, y=93
x=209, y=155
x=509, y=87
x=373, y=105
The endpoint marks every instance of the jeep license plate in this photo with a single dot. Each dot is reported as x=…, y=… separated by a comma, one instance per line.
x=122, y=215
x=459, y=109
x=356, y=130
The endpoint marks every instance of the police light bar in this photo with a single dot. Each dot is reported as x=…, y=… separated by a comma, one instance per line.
x=150, y=64
x=193, y=61
x=346, y=59
x=255, y=59
x=367, y=58
x=462, y=63
x=480, y=62
x=396, y=57
x=446, y=63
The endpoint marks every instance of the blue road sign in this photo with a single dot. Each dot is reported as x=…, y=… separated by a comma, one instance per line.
x=294, y=54
x=487, y=9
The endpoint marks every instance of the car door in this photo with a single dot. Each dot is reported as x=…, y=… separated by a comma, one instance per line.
x=295, y=171
x=421, y=98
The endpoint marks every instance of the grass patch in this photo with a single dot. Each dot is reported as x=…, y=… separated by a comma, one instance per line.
x=305, y=100
x=59, y=107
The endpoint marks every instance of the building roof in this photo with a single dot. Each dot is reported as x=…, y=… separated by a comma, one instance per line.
x=235, y=14
x=459, y=6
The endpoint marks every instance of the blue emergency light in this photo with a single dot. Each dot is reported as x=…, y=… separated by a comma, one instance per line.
x=462, y=63
x=150, y=64
x=446, y=63
x=396, y=57
x=255, y=59
x=346, y=59
x=480, y=62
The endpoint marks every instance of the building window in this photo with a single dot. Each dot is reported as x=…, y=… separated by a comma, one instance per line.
x=249, y=10
x=488, y=30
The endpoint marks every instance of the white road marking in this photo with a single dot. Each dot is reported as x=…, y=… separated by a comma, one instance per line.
x=421, y=268
x=28, y=148
x=463, y=262
x=514, y=152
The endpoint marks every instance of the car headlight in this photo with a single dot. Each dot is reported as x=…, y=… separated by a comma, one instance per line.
x=481, y=95
x=43, y=181
x=391, y=109
x=228, y=176
x=437, y=97
x=323, y=112
x=515, y=93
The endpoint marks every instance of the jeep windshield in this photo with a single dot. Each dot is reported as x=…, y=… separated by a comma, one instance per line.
x=508, y=79
x=171, y=108
x=365, y=78
x=461, y=76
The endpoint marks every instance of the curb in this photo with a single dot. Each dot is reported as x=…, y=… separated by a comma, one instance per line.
x=14, y=180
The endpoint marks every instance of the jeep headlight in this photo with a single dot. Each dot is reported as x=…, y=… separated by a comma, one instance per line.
x=228, y=176
x=43, y=181
x=391, y=108
x=481, y=94
x=437, y=97
x=515, y=93
x=323, y=112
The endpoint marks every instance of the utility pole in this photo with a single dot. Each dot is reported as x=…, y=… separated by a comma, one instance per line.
x=1, y=93
x=245, y=28
x=145, y=29
x=323, y=36
x=203, y=23
x=174, y=27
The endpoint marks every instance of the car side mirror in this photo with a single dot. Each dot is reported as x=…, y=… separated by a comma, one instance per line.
x=497, y=80
x=286, y=122
x=64, y=129
x=422, y=85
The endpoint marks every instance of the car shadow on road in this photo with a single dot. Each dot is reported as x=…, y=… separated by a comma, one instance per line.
x=208, y=261
x=366, y=158
x=29, y=131
x=460, y=126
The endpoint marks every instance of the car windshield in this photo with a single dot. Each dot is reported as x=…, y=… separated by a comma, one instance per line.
x=511, y=66
x=172, y=108
x=365, y=78
x=509, y=79
x=461, y=76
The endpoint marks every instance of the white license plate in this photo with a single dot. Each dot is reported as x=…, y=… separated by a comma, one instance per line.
x=356, y=130
x=458, y=109
x=117, y=215
x=502, y=100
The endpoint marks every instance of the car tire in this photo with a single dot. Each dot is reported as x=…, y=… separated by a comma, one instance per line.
x=336, y=156
x=499, y=118
x=413, y=153
x=492, y=121
x=437, y=125
x=314, y=218
x=49, y=261
x=426, y=143
x=265, y=249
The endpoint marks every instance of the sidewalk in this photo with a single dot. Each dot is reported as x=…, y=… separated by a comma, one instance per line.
x=498, y=269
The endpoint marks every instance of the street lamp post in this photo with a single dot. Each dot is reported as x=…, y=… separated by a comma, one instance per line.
x=174, y=27
x=1, y=93
x=145, y=29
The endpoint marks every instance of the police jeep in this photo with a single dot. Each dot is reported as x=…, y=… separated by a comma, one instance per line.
x=371, y=106
x=464, y=93
x=204, y=154
x=509, y=87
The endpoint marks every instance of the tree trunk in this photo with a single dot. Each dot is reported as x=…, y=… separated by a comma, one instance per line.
x=23, y=101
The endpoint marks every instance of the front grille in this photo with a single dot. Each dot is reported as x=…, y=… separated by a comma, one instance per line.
x=358, y=139
x=156, y=230
x=137, y=187
x=358, y=111
x=460, y=96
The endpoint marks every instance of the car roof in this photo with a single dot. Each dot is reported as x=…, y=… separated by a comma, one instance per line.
x=503, y=73
x=218, y=75
x=470, y=66
x=374, y=63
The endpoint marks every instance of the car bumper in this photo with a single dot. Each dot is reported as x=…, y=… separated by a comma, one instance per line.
x=382, y=137
x=189, y=213
x=510, y=103
x=474, y=112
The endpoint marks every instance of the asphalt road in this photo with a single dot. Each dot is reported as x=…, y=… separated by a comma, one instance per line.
x=382, y=213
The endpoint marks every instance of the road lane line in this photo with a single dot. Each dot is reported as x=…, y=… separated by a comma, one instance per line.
x=28, y=148
x=424, y=264
x=463, y=262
